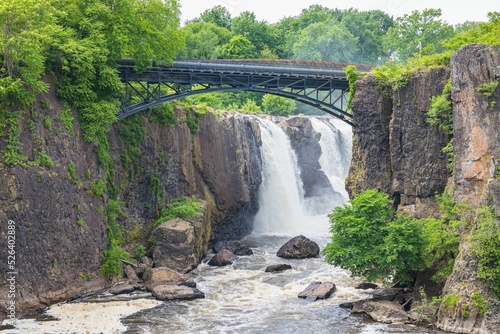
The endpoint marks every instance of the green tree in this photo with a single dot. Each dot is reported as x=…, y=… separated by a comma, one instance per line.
x=218, y=15
x=203, y=40
x=418, y=27
x=257, y=32
x=238, y=47
x=483, y=33
x=327, y=41
x=366, y=241
x=277, y=105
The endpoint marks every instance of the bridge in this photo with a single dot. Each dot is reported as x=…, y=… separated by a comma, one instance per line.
x=320, y=84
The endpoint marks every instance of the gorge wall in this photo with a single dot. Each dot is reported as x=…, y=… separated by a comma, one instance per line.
x=61, y=223
x=397, y=152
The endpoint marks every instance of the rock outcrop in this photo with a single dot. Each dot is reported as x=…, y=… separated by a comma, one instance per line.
x=318, y=290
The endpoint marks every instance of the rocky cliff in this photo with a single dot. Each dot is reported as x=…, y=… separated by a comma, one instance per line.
x=397, y=152
x=60, y=219
x=394, y=149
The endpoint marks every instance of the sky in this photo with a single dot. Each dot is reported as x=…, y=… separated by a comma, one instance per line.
x=272, y=11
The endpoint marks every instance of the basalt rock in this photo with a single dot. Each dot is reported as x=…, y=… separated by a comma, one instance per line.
x=299, y=247
x=382, y=311
x=172, y=292
x=366, y=286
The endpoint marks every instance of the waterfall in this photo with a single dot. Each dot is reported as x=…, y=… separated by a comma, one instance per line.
x=336, y=148
x=280, y=194
x=283, y=210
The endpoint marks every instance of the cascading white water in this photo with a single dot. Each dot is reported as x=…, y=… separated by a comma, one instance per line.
x=280, y=194
x=283, y=210
x=336, y=148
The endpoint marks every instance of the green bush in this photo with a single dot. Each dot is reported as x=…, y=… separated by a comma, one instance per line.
x=185, y=207
x=439, y=113
x=366, y=241
x=277, y=105
x=486, y=246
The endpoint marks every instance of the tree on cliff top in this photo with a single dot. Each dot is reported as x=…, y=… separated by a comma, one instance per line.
x=423, y=29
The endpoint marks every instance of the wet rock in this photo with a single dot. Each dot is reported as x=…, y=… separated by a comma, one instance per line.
x=366, y=286
x=389, y=294
x=318, y=290
x=170, y=292
x=130, y=274
x=160, y=276
x=299, y=247
x=140, y=269
x=275, y=268
x=382, y=311
x=234, y=246
x=123, y=288
x=223, y=258
x=347, y=305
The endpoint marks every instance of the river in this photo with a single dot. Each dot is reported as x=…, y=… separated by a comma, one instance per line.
x=242, y=298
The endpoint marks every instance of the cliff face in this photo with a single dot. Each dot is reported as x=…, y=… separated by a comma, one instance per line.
x=61, y=229
x=477, y=153
x=394, y=149
x=397, y=152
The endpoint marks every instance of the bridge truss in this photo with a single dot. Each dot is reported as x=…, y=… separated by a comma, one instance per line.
x=325, y=89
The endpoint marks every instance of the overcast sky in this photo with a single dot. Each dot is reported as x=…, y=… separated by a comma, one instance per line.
x=272, y=11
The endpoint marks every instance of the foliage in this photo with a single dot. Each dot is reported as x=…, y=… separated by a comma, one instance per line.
x=203, y=40
x=449, y=303
x=132, y=132
x=47, y=123
x=67, y=120
x=250, y=106
x=12, y=154
x=140, y=251
x=238, y=47
x=352, y=75
x=257, y=33
x=112, y=257
x=116, y=236
x=366, y=242
x=218, y=15
x=425, y=308
x=418, y=27
x=439, y=113
x=185, y=207
x=163, y=114
x=479, y=33
x=479, y=302
x=277, y=105
x=98, y=187
x=486, y=246
x=448, y=150
x=327, y=41
x=72, y=172
x=488, y=89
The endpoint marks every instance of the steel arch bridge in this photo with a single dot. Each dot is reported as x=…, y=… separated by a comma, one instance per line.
x=319, y=84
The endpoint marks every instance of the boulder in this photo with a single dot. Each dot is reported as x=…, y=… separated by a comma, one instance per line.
x=366, y=286
x=275, y=268
x=234, y=246
x=382, y=311
x=160, y=276
x=176, y=245
x=147, y=261
x=170, y=292
x=318, y=290
x=223, y=258
x=299, y=247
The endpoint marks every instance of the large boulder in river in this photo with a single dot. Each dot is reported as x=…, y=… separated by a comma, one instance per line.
x=276, y=268
x=234, y=246
x=299, y=247
x=318, y=290
x=179, y=243
x=382, y=311
x=223, y=258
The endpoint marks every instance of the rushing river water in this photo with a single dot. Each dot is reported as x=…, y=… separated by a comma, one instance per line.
x=242, y=298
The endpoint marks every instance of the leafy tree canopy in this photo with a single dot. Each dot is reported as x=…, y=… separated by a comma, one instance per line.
x=203, y=40
x=238, y=47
